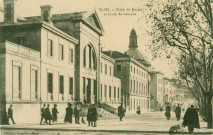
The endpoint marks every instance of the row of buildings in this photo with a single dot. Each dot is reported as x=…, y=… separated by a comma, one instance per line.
x=58, y=58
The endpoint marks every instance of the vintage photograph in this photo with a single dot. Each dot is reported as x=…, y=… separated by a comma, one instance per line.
x=98, y=67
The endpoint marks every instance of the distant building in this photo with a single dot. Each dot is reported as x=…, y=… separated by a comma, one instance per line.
x=156, y=90
x=168, y=91
x=133, y=70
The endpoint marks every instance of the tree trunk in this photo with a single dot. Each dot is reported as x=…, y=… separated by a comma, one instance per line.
x=209, y=112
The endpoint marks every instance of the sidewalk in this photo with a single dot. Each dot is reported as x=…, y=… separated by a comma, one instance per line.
x=145, y=123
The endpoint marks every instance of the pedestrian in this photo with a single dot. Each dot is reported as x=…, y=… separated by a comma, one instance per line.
x=10, y=113
x=167, y=113
x=121, y=112
x=191, y=119
x=55, y=113
x=48, y=115
x=183, y=109
x=43, y=115
x=138, y=110
x=76, y=114
x=89, y=116
x=5, y=119
x=69, y=113
x=94, y=116
x=178, y=112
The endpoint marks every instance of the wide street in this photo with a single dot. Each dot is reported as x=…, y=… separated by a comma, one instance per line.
x=146, y=123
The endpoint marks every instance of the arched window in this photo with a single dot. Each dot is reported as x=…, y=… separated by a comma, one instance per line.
x=89, y=57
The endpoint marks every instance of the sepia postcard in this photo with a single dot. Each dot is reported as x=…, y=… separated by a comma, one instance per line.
x=106, y=67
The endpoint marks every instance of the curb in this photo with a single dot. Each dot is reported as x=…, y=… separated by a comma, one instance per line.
x=94, y=130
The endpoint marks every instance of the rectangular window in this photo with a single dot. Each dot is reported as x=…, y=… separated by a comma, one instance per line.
x=110, y=70
x=61, y=84
x=50, y=47
x=110, y=92
x=114, y=92
x=61, y=52
x=71, y=55
x=34, y=84
x=137, y=86
x=118, y=68
x=21, y=40
x=84, y=60
x=16, y=82
x=131, y=84
x=118, y=93
x=84, y=85
x=105, y=90
x=134, y=84
x=50, y=82
x=101, y=90
x=105, y=68
x=71, y=86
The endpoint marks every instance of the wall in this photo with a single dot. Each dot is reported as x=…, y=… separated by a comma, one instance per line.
x=109, y=80
x=53, y=64
x=26, y=59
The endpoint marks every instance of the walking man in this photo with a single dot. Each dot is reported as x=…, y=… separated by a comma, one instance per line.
x=55, y=113
x=10, y=113
x=167, y=113
x=94, y=116
x=76, y=114
x=178, y=112
x=48, y=114
x=43, y=115
x=191, y=119
x=121, y=112
x=89, y=115
x=69, y=113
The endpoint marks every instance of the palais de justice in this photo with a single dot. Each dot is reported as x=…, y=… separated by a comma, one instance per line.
x=58, y=58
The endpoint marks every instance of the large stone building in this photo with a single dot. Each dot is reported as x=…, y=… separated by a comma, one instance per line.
x=133, y=69
x=52, y=59
x=156, y=89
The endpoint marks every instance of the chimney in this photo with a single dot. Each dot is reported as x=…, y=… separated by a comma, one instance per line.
x=46, y=13
x=10, y=11
x=110, y=53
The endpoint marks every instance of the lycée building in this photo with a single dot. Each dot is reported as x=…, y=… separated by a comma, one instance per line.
x=58, y=58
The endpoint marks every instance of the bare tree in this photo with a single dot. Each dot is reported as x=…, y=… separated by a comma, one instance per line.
x=186, y=28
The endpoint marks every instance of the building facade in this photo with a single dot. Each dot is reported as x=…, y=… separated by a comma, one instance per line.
x=133, y=70
x=110, y=86
x=52, y=59
x=156, y=88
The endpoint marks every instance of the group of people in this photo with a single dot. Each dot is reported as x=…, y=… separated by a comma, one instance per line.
x=48, y=117
x=177, y=112
x=190, y=119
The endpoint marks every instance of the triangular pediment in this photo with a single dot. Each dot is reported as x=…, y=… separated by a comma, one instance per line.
x=93, y=19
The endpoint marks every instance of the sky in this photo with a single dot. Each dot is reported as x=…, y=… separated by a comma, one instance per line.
x=117, y=27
